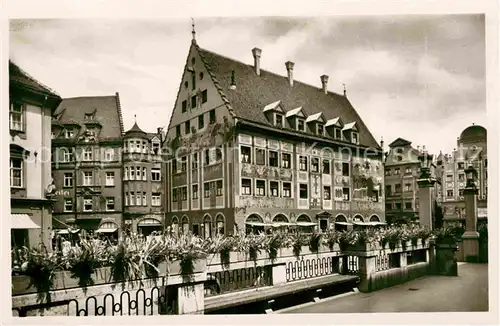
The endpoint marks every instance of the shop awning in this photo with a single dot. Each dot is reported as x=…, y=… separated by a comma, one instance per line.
x=279, y=224
x=22, y=221
x=106, y=230
x=149, y=222
x=306, y=224
x=256, y=223
x=67, y=231
x=343, y=223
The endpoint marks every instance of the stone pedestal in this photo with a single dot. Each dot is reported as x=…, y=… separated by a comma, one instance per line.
x=446, y=261
x=471, y=236
x=425, y=202
x=471, y=245
x=279, y=274
x=191, y=299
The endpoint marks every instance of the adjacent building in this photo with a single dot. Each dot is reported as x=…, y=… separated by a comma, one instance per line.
x=471, y=150
x=254, y=149
x=143, y=184
x=87, y=138
x=30, y=112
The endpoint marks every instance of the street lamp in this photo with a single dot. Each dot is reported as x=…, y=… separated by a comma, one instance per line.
x=425, y=164
x=425, y=183
x=471, y=175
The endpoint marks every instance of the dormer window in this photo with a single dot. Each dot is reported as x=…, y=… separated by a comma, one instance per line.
x=278, y=120
x=338, y=133
x=69, y=134
x=320, y=129
x=155, y=147
x=355, y=137
x=89, y=116
x=300, y=124
x=334, y=128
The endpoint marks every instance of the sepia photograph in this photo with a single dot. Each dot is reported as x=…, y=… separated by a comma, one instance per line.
x=328, y=164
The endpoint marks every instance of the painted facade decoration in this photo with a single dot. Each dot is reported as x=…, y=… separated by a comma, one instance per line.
x=265, y=172
x=367, y=180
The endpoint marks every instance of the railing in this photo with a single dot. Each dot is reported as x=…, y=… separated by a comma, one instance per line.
x=311, y=267
x=240, y=279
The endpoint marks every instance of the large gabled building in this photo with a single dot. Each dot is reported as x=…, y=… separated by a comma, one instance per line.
x=87, y=138
x=256, y=149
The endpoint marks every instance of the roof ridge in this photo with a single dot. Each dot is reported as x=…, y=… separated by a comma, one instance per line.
x=119, y=109
x=270, y=72
x=90, y=96
x=33, y=79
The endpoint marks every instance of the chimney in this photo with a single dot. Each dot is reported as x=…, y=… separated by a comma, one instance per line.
x=233, y=80
x=256, y=59
x=324, y=82
x=289, y=68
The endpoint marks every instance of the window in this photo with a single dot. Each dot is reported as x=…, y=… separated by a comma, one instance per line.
x=178, y=131
x=204, y=96
x=327, y=193
x=246, y=155
x=207, y=157
x=144, y=174
x=273, y=158
x=485, y=162
x=68, y=179
x=132, y=199
x=68, y=134
x=320, y=129
x=286, y=158
x=193, y=101
x=287, y=189
x=219, y=188
x=338, y=133
x=407, y=187
x=211, y=116
x=16, y=117
x=87, y=178
x=355, y=137
x=303, y=191
x=303, y=163
x=156, y=199
x=274, y=188
x=449, y=193
x=398, y=205
x=314, y=164
x=260, y=156
x=397, y=171
x=68, y=204
x=110, y=204
x=87, y=154
x=397, y=188
x=144, y=147
x=388, y=190
x=388, y=207
x=279, y=120
x=326, y=166
x=156, y=147
x=184, y=106
x=461, y=177
x=218, y=154
x=87, y=204
x=201, y=121
x=345, y=194
x=174, y=165
x=408, y=205
x=300, y=124
x=184, y=193
x=109, y=155
x=67, y=155
x=194, y=163
x=88, y=116
x=174, y=195
x=345, y=169
x=407, y=170
x=194, y=191
x=138, y=173
x=132, y=173
x=187, y=128
x=155, y=174
x=449, y=177
x=16, y=173
x=461, y=166
x=260, y=188
x=246, y=187
x=460, y=192
x=110, y=178
x=206, y=190
x=183, y=163
x=138, y=200
x=387, y=172
x=201, y=75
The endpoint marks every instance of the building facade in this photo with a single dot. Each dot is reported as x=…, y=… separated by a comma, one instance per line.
x=471, y=150
x=87, y=138
x=254, y=149
x=30, y=112
x=143, y=185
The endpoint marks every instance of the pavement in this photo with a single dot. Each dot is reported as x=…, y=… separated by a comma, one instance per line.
x=466, y=293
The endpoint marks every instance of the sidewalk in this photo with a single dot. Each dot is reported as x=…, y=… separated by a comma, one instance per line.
x=467, y=292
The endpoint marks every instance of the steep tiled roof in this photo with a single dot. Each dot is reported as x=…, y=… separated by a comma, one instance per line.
x=400, y=142
x=254, y=92
x=135, y=131
x=107, y=113
x=18, y=75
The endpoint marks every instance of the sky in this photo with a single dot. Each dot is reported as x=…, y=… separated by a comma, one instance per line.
x=421, y=78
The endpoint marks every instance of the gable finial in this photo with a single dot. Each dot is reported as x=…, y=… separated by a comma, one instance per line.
x=344, y=89
x=135, y=118
x=193, y=32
